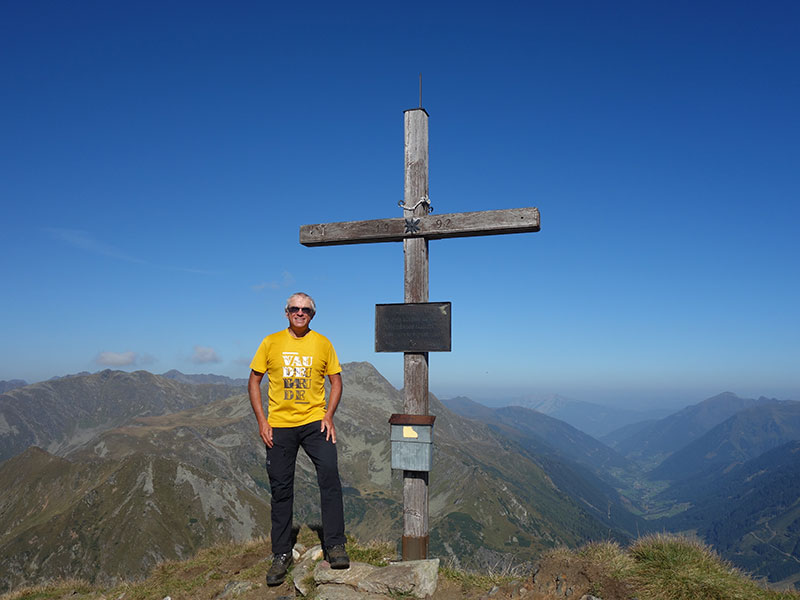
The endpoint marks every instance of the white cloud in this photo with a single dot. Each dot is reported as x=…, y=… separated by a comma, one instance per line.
x=204, y=354
x=287, y=279
x=85, y=241
x=116, y=359
x=146, y=359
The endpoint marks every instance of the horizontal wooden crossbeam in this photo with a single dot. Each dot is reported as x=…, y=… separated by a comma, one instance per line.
x=432, y=227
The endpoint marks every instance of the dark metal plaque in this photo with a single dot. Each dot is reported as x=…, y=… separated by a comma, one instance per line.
x=412, y=327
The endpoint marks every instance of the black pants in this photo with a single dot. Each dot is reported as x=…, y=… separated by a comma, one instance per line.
x=281, y=460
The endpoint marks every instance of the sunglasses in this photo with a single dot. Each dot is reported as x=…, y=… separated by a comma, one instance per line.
x=306, y=310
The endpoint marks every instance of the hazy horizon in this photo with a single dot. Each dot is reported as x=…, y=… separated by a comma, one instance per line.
x=644, y=401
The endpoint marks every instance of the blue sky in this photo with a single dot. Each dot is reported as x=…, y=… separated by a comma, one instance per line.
x=158, y=160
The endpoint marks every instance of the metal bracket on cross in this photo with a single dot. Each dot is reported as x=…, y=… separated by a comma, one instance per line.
x=424, y=200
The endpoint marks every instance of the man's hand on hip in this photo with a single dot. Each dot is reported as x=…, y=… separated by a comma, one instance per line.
x=265, y=431
x=329, y=428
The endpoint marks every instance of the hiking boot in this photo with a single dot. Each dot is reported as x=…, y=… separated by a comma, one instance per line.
x=277, y=572
x=337, y=557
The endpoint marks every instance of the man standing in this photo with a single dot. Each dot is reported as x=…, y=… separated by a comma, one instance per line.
x=297, y=360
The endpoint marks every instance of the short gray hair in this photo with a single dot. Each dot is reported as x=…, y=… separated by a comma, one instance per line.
x=301, y=295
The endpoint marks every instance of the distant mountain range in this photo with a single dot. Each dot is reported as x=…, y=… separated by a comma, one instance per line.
x=543, y=434
x=205, y=378
x=744, y=436
x=595, y=419
x=655, y=440
x=103, y=475
x=61, y=414
x=7, y=386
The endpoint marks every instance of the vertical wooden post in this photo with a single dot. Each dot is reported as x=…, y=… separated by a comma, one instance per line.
x=415, y=367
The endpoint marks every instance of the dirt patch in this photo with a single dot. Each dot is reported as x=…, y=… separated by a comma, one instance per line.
x=240, y=563
x=574, y=578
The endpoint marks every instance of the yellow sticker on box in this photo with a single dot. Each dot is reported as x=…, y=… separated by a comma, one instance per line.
x=408, y=432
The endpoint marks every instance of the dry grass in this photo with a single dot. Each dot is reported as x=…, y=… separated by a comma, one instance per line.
x=615, y=560
x=182, y=578
x=375, y=553
x=657, y=567
x=74, y=587
x=471, y=580
x=668, y=567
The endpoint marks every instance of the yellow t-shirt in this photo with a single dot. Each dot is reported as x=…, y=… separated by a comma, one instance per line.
x=296, y=368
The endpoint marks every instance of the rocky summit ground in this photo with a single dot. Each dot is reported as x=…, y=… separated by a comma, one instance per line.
x=654, y=568
x=238, y=572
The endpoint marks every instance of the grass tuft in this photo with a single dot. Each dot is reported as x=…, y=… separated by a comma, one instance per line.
x=470, y=580
x=610, y=555
x=376, y=553
x=669, y=567
x=662, y=567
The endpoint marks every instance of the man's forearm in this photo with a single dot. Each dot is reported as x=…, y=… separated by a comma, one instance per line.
x=254, y=391
x=335, y=394
x=258, y=407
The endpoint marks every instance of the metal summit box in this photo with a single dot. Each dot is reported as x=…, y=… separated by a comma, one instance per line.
x=412, y=442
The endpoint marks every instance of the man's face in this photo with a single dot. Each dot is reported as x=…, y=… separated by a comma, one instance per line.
x=299, y=312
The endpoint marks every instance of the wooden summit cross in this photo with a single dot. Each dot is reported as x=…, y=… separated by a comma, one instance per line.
x=414, y=229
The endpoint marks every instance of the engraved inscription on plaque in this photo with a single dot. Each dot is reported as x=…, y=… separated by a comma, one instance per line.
x=412, y=327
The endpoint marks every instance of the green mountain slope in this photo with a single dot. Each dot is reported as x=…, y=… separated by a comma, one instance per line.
x=751, y=514
x=111, y=519
x=578, y=464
